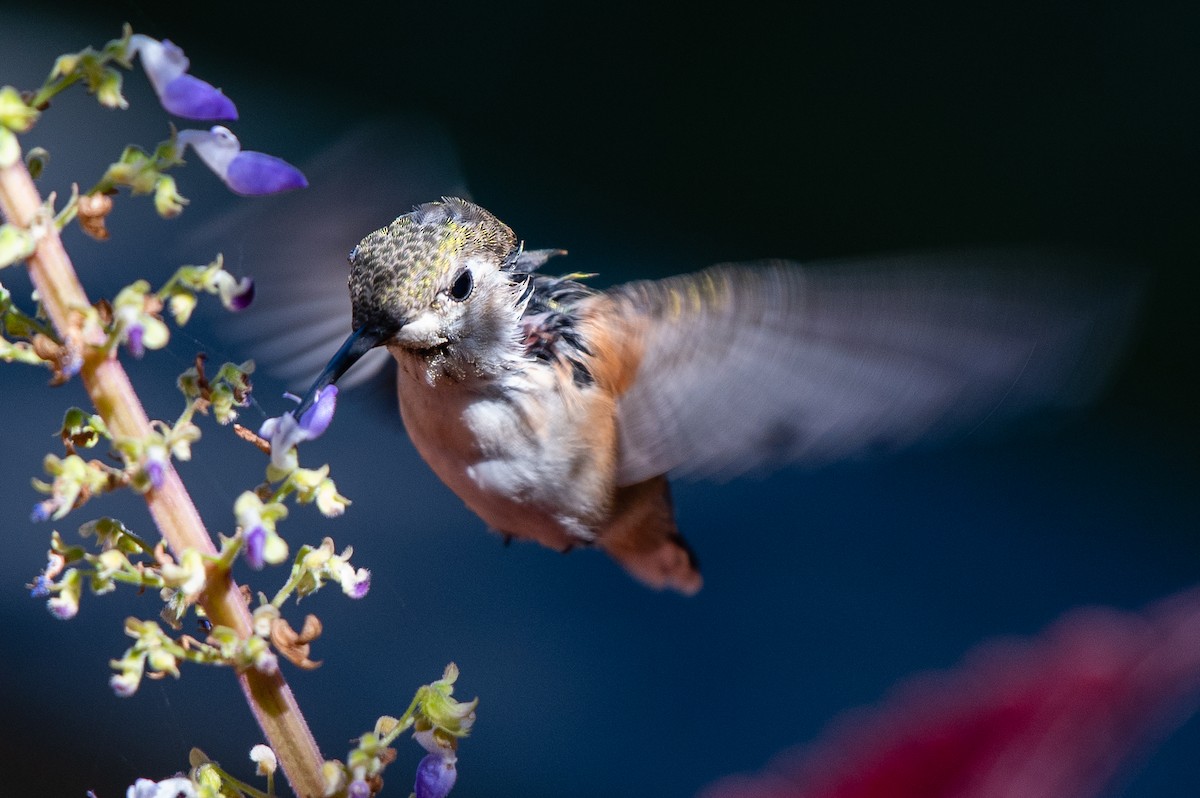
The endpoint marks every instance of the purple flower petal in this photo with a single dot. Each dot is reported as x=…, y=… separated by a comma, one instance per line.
x=133, y=337
x=267, y=663
x=358, y=789
x=254, y=174
x=217, y=147
x=192, y=98
x=123, y=688
x=255, y=543
x=361, y=585
x=63, y=608
x=243, y=296
x=283, y=432
x=73, y=363
x=317, y=418
x=435, y=777
x=41, y=511
x=41, y=587
x=155, y=473
x=180, y=94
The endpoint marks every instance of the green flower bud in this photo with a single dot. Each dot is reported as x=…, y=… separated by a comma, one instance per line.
x=16, y=243
x=65, y=604
x=163, y=661
x=180, y=304
x=64, y=65
x=139, y=329
x=208, y=776
x=223, y=402
x=36, y=160
x=15, y=115
x=442, y=711
x=188, y=576
x=331, y=503
x=256, y=653
x=108, y=90
x=167, y=200
x=10, y=148
x=316, y=559
x=181, y=438
x=81, y=428
x=108, y=564
x=333, y=774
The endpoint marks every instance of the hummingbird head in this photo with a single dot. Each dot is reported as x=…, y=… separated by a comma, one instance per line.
x=445, y=281
x=433, y=277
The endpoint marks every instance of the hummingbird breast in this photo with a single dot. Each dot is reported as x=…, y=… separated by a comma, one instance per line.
x=531, y=450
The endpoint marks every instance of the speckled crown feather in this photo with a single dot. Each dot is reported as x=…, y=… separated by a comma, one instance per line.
x=400, y=268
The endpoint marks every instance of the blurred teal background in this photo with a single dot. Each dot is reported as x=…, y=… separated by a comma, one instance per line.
x=650, y=143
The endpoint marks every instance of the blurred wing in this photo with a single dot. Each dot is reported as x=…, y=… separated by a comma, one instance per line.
x=296, y=251
x=744, y=367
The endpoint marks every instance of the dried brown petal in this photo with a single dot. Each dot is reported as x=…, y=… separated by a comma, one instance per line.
x=161, y=556
x=295, y=646
x=104, y=308
x=92, y=210
x=54, y=353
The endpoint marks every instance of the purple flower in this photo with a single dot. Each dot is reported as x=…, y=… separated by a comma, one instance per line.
x=180, y=93
x=358, y=789
x=63, y=606
x=73, y=363
x=317, y=418
x=40, y=587
x=240, y=297
x=356, y=584
x=41, y=511
x=245, y=172
x=435, y=776
x=154, y=471
x=285, y=432
x=177, y=787
x=255, y=543
x=133, y=339
x=155, y=466
x=123, y=684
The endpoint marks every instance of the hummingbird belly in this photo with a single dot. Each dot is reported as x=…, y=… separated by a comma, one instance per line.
x=532, y=462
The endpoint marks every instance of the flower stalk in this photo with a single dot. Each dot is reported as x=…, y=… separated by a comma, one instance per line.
x=66, y=304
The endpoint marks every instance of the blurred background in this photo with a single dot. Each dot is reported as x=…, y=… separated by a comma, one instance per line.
x=647, y=143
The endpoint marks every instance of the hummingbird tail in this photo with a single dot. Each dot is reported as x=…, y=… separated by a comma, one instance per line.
x=643, y=538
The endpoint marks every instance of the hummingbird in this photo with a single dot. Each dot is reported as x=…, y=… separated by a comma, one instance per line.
x=558, y=411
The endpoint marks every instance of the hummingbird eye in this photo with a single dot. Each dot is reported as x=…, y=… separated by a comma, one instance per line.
x=462, y=286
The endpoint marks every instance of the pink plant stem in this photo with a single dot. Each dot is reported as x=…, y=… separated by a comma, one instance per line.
x=171, y=507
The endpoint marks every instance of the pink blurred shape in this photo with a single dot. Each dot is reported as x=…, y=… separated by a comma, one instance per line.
x=1061, y=715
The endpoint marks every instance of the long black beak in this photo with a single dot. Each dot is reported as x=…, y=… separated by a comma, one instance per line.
x=361, y=341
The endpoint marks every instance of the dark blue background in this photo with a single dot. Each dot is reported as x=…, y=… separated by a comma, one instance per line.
x=650, y=143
